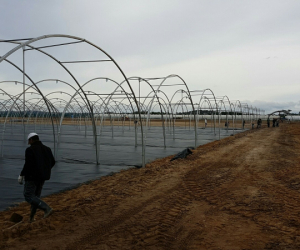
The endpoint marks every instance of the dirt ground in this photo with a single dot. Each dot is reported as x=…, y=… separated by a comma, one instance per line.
x=238, y=193
x=152, y=122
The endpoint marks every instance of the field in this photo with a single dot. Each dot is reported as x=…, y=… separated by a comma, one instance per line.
x=238, y=193
x=130, y=122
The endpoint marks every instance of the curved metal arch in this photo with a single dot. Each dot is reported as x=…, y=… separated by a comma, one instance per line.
x=184, y=83
x=247, y=113
x=226, y=97
x=125, y=106
x=141, y=79
x=164, y=105
x=27, y=43
x=64, y=82
x=149, y=108
x=3, y=103
x=233, y=116
x=33, y=86
x=55, y=111
x=219, y=105
x=8, y=113
x=4, y=58
x=180, y=100
x=223, y=101
x=166, y=111
x=36, y=105
x=182, y=104
x=12, y=100
x=92, y=106
x=100, y=98
x=156, y=93
x=280, y=111
x=251, y=115
x=238, y=104
x=164, y=79
x=106, y=107
x=118, y=106
x=212, y=93
x=41, y=99
x=10, y=96
x=40, y=110
x=119, y=85
x=109, y=97
x=215, y=102
x=206, y=100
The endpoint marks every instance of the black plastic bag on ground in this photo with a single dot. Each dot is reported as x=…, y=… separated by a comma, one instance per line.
x=182, y=154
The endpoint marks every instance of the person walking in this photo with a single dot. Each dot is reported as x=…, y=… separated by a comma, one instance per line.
x=268, y=122
x=39, y=161
x=205, y=122
x=259, y=123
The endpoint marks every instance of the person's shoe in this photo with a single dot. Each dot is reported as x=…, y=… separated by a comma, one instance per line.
x=48, y=212
x=32, y=212
x=44, y=206
x=31, y=220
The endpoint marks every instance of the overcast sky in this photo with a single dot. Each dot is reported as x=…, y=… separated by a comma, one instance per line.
x=247, y=50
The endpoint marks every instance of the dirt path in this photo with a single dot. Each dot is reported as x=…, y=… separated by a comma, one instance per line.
x=239, y=193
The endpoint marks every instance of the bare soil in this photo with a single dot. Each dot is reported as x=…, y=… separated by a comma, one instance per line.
x=238, y=193
x=152, y=122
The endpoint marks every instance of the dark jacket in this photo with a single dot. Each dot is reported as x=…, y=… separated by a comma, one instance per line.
x=39, y=161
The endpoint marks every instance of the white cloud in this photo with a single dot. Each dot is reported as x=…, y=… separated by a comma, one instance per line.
x=248, y=50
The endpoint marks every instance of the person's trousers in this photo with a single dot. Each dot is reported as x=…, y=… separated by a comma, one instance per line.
x=33, y=189
x=32, y=194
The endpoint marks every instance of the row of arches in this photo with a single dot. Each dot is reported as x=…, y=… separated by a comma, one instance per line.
x=100, y=102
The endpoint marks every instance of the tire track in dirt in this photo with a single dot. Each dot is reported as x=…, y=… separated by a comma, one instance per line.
x=268, y=212
x=102, y=230
x=163, y=225
x=199, y=183
x=169, y=228
x=171, y=214
x=185, y=243
x=274, y=217
x=213, y=184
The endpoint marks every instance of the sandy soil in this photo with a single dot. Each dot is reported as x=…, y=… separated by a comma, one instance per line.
x=152, y=122
x=238, y=193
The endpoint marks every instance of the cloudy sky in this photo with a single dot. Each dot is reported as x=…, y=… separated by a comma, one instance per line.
x=247, y=50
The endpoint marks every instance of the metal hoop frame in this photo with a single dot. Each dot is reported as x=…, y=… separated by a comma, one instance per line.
x=114, y=104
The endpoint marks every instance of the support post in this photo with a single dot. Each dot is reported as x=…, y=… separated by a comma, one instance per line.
x=24, y=94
